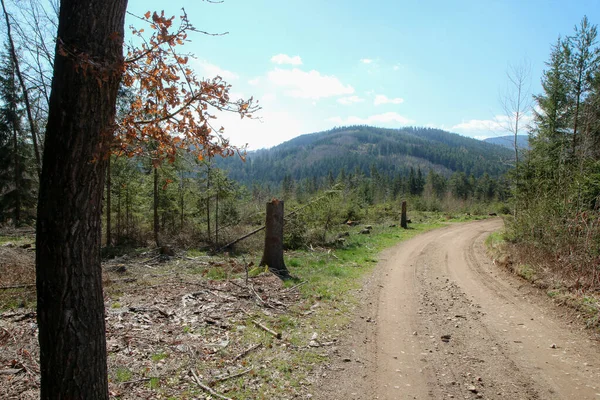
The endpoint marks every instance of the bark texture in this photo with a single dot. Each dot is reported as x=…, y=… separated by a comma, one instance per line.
x=403, y=221
x=87, y=71
x=273, y=251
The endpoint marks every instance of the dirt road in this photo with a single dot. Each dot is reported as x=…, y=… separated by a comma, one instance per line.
x=439, y=320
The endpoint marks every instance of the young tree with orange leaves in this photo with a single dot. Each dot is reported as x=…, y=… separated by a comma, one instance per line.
x=171, y=108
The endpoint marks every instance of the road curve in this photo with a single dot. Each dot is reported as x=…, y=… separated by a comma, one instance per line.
x=448, y=323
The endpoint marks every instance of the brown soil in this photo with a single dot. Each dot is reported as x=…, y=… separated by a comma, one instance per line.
x=439, y=320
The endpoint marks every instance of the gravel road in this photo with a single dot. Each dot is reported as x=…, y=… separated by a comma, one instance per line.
x=438, y=320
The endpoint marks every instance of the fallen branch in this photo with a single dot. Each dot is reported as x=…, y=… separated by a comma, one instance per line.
x=19, y=316
x=264, y=328
x=294, y=287
x=135, y=381
x=222, y=378
x=247, y=351
x=260, y=300
x=242, y=238
x=207, y=388
x=11, y=371
x=25, y=285
x=150, y=260
x=125, y=280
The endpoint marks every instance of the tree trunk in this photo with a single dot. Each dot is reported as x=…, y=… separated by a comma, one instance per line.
x=208, y=235
x=108, y=205
x=273, y=252
x=403, y=222
x=127, y=212
x=119, y=216
x=217, y=216
x=181, y=200
x=155, y=208
x=70, y=304
x=17, y=172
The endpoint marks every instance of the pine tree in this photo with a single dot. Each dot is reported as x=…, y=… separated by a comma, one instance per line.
x=17, y=197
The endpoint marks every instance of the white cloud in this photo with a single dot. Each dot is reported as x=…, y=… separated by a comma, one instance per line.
x=484, y=128
x=254, y=82
x=285, y=59
x=308, y=85
x=366, y=61
x=269, y=129
x=389, y=118
x=350, y=100
x=383, y=99
x=211, y=70
x=478, y=126
x=396, y=67
x=268, y=97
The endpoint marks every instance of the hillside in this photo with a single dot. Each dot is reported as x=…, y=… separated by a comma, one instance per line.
x=509, y=141
x=391, y=151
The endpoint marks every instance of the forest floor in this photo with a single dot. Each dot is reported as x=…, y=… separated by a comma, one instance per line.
x=439, y=319
x=195, y=326
x=434, y=318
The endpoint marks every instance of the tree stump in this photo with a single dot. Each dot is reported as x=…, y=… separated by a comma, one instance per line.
x=403, y=221
x=273, y=251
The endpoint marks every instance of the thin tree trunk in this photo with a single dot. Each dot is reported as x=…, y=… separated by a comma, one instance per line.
x=155, y=207
x=119, y=216
x=181, y=200
x=517, y=155
x=32, y=125
x=577, y=102
x=127, y=211
x=217, y=217
x=208, y=201
x=273, y=251
x=108, y=205
x=70, y=302
x=17, y=175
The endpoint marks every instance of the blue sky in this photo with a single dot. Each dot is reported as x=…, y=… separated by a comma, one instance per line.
x=316, y=64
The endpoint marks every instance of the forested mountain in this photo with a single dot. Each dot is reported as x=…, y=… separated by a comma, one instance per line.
x=509, y=141
x=391, y=152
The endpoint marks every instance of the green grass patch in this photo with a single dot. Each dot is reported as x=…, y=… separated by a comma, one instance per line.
x=123, y=374
x=16, y=240
x=217, y=273
x=159, y=356
x=154, y=383
x=12, y=299
x=494, y=239
x=195, y=253
x=332, y=274
x=525, y=271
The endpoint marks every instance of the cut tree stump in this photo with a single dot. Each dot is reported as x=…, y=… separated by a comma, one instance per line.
x=273, y=251
x=403, y=221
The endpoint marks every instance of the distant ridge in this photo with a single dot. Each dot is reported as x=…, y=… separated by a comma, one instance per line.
x=509, y=141
x=391, y=152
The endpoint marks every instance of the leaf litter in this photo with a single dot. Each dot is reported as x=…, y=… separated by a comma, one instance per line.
x=173, y=333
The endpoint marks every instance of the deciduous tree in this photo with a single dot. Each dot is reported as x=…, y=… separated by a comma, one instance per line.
x=80, y=134
x=88, y=67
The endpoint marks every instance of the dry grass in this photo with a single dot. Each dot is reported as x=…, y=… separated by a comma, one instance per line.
x=565, y=278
